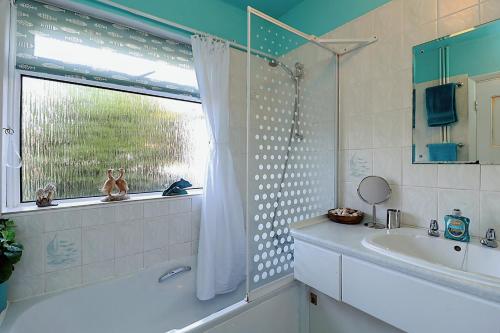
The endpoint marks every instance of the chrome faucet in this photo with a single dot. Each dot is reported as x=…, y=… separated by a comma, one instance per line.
x=490, y=239
x=433, y=229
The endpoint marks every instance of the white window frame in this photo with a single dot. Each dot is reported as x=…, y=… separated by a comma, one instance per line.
x=10, y=195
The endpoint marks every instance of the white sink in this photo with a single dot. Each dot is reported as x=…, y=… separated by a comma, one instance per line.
x=470, y=261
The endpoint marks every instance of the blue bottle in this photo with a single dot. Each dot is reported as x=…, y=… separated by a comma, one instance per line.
x=457, y=226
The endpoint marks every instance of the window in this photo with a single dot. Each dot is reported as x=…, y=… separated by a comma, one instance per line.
x=92, y=95
x=72, y=133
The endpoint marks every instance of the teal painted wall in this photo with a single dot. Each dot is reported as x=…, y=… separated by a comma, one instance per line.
x=473, y=53
x=318, y=17
x=224, y=20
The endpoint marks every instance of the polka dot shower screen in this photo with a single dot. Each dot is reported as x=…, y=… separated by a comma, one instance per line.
x=291, y=138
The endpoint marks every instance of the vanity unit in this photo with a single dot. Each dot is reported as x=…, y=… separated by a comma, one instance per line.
x=403, y=277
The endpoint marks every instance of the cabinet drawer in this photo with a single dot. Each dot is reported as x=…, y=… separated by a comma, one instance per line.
x=318, y=268
x=412, y=304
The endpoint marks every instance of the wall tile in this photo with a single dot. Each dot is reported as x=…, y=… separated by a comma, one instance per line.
x=62, y=249
x=419, y=206
x=98, y=244
x=181, y=250
x=467, y=201
x=490, y=180
x=195, y=225
x=360, y=135
x=155, y=208
x=64, y=279
x=21, y=287
x=156, y=233
x=28, y=226
x=129, y=211
x=419, y=174
x=97, y=215
x=388, y=129
x=180, y=229
x=462, y=20
x=98, y=271
x=418, y=12
x=447, y=7
x=33, y=256
x=387, y=164
x=128, y=265
x=359, y=164
x=61, y=220
x=489, y=10
x=179, y=206
x=490, y=211
x=459, y=176
x=128, y=238
x=154, y=257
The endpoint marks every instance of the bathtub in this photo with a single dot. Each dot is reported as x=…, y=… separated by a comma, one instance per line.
x=134, y=304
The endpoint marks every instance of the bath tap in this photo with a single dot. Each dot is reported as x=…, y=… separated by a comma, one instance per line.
x=173, y=272
x=433, y=229
x=490, y=240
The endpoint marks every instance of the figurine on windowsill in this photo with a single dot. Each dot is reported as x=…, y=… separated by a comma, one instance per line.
x=120, y=183
x=44, y=196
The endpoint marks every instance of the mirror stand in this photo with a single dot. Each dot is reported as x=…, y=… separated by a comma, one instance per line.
x=373, y=224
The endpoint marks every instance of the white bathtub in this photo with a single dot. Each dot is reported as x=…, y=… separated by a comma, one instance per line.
x=135, y=304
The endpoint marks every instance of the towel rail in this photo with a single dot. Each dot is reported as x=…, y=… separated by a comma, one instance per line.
x=459, y=145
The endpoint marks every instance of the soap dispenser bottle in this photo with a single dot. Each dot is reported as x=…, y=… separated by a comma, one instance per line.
x=457, y=226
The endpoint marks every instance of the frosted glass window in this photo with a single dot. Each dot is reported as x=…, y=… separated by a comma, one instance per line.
x=71, y=134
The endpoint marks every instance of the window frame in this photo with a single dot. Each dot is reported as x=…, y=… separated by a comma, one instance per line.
x=12, y=189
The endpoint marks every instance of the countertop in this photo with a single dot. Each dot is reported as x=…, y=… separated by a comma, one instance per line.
x=346, y=240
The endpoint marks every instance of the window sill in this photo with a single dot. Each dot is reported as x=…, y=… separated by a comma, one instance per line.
x=86, y=202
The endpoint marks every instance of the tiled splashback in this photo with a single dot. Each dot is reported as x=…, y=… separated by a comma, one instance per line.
x=375, y=115
x=66, y=248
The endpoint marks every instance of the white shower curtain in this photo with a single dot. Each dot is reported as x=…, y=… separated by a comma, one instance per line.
x=221, y=252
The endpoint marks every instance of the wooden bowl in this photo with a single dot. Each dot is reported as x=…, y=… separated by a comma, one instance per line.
x=346, y=219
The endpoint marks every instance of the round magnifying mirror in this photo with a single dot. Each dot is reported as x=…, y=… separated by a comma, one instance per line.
x=374, y=190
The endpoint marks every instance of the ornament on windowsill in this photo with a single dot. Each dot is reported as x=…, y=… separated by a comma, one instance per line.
x=44, y=196
x=111, y=183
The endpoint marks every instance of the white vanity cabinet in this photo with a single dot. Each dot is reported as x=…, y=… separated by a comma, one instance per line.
x=412, y=304
x=318, y=267
x=401, y=300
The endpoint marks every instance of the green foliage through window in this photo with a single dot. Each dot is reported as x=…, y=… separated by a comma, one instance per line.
x=71, y=134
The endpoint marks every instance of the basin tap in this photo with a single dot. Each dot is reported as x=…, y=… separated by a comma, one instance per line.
x=490, y=240
x=433, y=229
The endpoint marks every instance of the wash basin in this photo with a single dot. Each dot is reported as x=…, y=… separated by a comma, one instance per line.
x=470, y=261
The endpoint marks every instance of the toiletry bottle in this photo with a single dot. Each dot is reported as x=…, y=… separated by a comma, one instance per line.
x=457, y=226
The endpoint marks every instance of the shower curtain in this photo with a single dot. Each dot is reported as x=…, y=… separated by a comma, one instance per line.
x=221, y=251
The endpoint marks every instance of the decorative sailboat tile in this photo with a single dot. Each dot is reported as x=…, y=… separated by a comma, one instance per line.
x=358, y=166
x=63, y=250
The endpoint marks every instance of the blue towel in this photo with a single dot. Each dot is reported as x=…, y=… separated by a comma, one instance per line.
x=442, y=152
x=441, y=107
x=177, y=188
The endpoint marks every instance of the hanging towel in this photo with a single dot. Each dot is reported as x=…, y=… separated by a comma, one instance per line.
x=441, y=107
x=442, y=152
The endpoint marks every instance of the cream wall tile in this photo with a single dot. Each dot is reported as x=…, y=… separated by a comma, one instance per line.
x=195, y=224
x=97, y=216
x=21, y=287
x=490, y=177
x=62, y=249
x=447, y=7
x=154, y=257
x=98, y=271
x=156, y=233
x=177, y=251
x=98, y=244
x=459, y=176
x=489, y=10
x=387, y=129
x=418, y=12
x=387, y=164
x=419, y=205
x=180, y=229
x=179, y=206
x=462, y=20
x=128, y=265
x=358, y=165
x=155, y=208
x=490, y=211
x=65, y=279
x=465, y=200
x=32, y=259
x=27, y=226
x=128, y=238
x=360, y=135
x=129, y=211
x=419, y=174
x=61, y=220
x=348, y=197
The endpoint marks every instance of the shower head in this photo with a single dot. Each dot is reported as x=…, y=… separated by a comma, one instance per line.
x=275, y=63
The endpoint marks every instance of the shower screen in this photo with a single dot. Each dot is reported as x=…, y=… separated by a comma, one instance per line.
x=291, y=142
